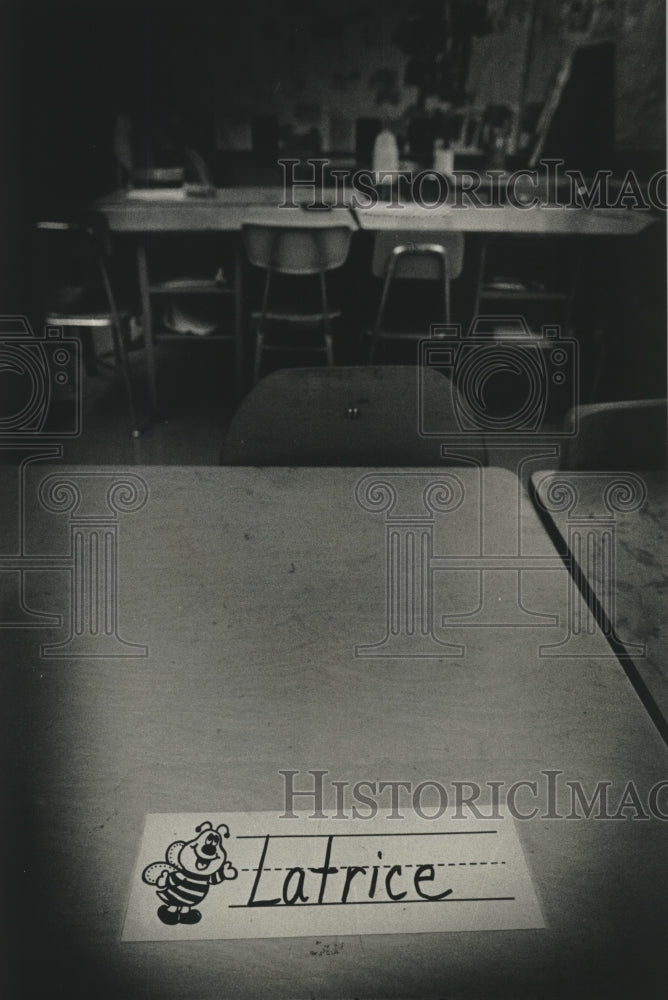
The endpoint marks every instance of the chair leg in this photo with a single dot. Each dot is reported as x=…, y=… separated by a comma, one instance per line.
x=482, y=265
x=387, y=281
x=259, y=347
x=326, y=321
x=329, y=349
x=120, y=348
x=88, y=353
x=259, y=332
x=238, y=324
x=147, y=323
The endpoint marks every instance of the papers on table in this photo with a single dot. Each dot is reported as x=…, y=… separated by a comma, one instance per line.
x=156, y=194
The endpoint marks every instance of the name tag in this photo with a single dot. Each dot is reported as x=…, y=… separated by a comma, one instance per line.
x=247, y=875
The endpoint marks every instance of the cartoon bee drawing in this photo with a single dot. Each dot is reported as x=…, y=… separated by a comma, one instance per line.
x=191, y=867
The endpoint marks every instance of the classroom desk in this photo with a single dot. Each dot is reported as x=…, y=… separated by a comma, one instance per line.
x=159, y=210
x=626, y=594
x=251, y=590
x=142, y=213
x=506, y=220
x=485, y=227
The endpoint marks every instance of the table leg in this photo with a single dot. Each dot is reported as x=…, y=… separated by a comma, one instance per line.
x=147, y=323
x=239, y=320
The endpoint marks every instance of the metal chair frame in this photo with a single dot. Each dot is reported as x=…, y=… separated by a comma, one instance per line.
x=273, y=258
x=397, y=256
x=100, y=250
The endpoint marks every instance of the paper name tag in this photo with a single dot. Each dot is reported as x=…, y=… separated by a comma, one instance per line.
x=247, y=875
x=156, y=194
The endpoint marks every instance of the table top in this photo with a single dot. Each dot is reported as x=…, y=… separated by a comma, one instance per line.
x=640, y=560
x=243, y=195
x=226, y=209
x=251, y=590
x=540, y=220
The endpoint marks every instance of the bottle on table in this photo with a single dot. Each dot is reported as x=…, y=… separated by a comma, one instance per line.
x=385, y=156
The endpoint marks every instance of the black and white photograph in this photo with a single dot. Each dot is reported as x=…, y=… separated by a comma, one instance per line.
x=333, y=495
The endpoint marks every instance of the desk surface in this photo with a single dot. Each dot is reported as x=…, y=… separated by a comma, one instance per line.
x=639, y=570
x=165, y=210
x=251, y=589
x=507, y=219
x=174, y=210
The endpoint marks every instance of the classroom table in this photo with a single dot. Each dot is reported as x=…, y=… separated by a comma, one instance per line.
x=247, y=631
x=160, y=210
x=144, y=212
x=625, y=594
x=503, y=220
x=140, y=213
x=582, y=234
x=174, y=210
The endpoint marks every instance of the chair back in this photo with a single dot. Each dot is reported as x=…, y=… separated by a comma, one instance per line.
x=66, y=260
x=618, y=436
x=70, y=266
x=303, y=417
x=296, y=249
x=72, y=287
x=416, y=255
x=74, y=241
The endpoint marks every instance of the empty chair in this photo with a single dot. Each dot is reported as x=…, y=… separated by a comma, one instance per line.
x=405, y=258
x=347, y=416
x=618, y=436
x=74, y=291
x=302, y=252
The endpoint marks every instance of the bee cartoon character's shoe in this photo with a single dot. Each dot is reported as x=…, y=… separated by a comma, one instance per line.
x=190, y=917
x=168, y=916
